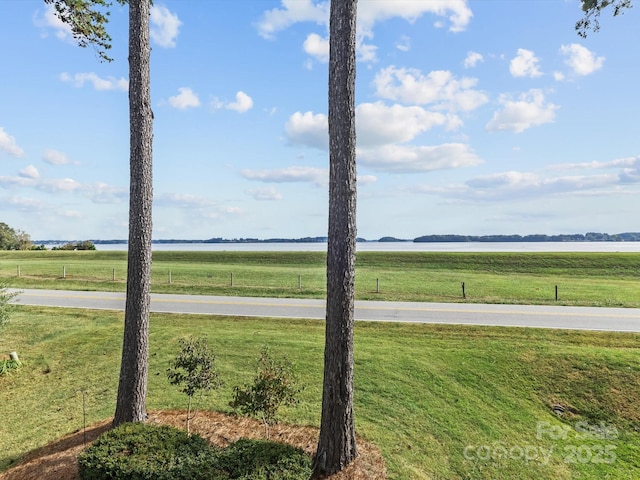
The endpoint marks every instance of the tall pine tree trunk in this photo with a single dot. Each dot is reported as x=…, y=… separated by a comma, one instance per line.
x=132, y=387
x=337, y=442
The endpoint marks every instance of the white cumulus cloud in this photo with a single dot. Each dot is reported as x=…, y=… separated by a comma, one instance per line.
x=472, y=59
x=525, y=64
x=56, y=185
x=165, y=26
x=55, y=157
x=49, y=19
x=186, y=98
x=626, y=162
x=456, y=11
x=28, y=204
x=182, y=200
x=8, y=144
x=268, y=193
x=376, y=124
x=415, y=159
x=516, y=185
x=294, y=174
x=366, y=179
x=308, y=129
x=439, y=88
x=98, y=192
x=382, y=135
x=30, y=172
x=317, y=47
x=242, y=104
x=109, y=83
x=529, y=110
x=379, y=124
x=369, y=13
x=292, y=11
x=524, y=184
x=581, y=60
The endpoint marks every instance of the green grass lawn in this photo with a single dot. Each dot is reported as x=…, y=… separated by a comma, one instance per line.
x=441, y=402
x=595, y=279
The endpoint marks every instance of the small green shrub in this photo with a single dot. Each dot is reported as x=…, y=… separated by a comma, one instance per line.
x=264, y=460
x=272, y=387
x=137, y=451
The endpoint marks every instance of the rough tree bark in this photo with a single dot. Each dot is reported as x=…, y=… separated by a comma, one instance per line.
x=132, y=387
x=337, y=440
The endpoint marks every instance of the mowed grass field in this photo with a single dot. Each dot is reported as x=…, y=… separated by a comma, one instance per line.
x=594, y=279
x=441, y=402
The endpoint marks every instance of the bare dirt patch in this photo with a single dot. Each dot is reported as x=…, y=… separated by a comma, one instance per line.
x=58, y=460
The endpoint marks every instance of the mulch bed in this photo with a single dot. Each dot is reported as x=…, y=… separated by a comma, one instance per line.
x=58, y=460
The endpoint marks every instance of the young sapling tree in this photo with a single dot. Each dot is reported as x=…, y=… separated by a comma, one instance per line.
x=194, y=370
x=272, y=387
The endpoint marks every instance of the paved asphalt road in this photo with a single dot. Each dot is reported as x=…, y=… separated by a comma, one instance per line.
x=583, y=318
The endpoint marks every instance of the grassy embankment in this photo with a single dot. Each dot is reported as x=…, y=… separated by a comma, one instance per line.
x=424, y=393
x=600, y=279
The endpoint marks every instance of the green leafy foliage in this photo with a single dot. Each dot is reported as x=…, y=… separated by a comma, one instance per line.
x=592, y=10
x=11, y=239
x=272, y=387
x=260, y=459
x=138, y=451
x=193, y=369
x=88, y=21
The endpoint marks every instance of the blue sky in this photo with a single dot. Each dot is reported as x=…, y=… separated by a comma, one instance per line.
x=475, y=117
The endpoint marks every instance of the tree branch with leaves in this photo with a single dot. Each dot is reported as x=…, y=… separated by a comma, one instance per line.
x=592, y=10
x=88, y=22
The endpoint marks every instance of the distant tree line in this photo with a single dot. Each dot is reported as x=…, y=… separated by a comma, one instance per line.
x=574, y=237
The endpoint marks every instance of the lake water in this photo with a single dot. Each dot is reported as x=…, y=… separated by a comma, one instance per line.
x=396, y=247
